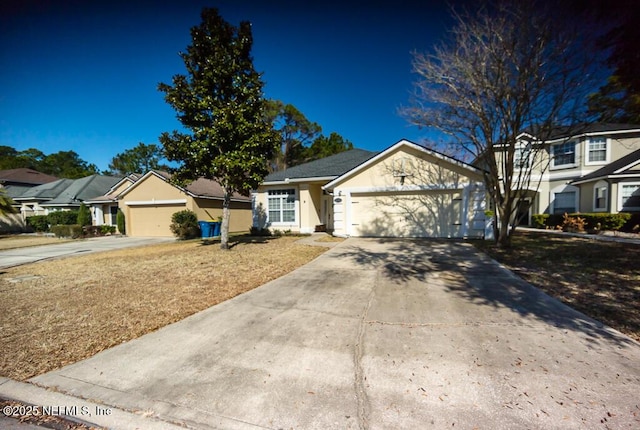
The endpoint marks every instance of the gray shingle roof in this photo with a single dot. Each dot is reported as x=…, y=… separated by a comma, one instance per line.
x=610, y=168
x=331, y=166
x=580, y=129
x=25, y=176
x=65, y=192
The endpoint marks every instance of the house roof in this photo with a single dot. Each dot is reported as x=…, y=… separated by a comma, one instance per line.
x=68, y=192
x=619, y=168
x=578, y=130
x=201, y=188
x=110, y=196
x=326, y=168
x=24, y=176
x=403, y=142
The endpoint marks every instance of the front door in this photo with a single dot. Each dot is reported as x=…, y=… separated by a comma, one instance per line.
x=523, y=213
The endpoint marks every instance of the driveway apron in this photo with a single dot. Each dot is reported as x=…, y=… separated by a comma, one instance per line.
x=376, y=334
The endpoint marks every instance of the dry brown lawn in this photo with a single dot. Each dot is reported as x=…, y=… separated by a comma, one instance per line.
x=23, y=241
x=58, y=312
x=600, y=279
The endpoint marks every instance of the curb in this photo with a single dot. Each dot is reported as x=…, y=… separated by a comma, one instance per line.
x=92, y=414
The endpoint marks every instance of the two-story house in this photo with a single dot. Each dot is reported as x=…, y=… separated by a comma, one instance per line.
x=596, y=169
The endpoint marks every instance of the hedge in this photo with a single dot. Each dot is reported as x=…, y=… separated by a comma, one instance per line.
x=61, y=230
x=593, y=221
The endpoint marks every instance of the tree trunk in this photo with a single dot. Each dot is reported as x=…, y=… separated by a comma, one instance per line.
x=504, y=238
x=226, y=214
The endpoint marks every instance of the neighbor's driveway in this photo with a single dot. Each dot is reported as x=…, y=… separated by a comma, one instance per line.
x=376, y=334
x=19, y=256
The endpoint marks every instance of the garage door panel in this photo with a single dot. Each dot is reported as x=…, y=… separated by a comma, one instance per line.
x=434, y=214
x=152, y=221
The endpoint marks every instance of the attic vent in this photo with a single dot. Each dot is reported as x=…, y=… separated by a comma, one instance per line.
x=402, y=167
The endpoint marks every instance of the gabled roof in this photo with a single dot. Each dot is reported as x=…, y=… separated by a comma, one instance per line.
x=110, y=196
x=24, y=176
x=617, y=169
x=403, y=142
x=200, y=188
x=325, y=168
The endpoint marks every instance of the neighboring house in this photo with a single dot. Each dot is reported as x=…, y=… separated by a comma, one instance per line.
x=16, y=182
x=149, y=203
x=595, y=170
x=406, y=190
x=63, y=194
x=104, y=208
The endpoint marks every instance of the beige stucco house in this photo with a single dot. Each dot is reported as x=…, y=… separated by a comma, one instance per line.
x=594, y=170
x=149, y=203
x=406, y=190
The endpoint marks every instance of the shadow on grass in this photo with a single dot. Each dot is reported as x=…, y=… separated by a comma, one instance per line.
x=239, y=239
x=471, y=275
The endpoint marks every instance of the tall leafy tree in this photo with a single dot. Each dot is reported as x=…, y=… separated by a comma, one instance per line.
x=139, y=159
x=227, y=136
x=509, y=67
x=67, y=164
x=324, y=146
x=295, y=131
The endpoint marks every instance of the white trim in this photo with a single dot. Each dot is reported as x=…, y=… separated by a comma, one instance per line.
x=592, y=133
x=620, y=185
x=296, y=223
x=286, y=181
x=565, y=188
x=607, y=148
x=628, y=166
x=405, y=188
x=392, y=148
x=552, y=165
x=600, y=185
x=627, y=175
x=154, y=202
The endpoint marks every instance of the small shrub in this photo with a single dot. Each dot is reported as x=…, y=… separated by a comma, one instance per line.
x=63, y=217
x=184, y=224
x=84, y=215
x=257, y=231
x=38, y=223
x=120, y=221
x=540, y=220
x=572, y=224
x=65, y=230
x=91, y=230
x=107, y=229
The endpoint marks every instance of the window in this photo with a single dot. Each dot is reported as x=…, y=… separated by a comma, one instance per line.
x=596, y=150
x=113, y=211
x=630, y=196
x=521, y=157
x=600, y=198
x=282, y=205
x=564, y=202
x=564, y=154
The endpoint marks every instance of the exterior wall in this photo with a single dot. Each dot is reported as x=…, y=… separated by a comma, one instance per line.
x=207, y=209
x=409, y=193
x=308, y=207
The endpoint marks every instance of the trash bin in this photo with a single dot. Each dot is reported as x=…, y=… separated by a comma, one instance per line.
x=215, y=228
x=205, y=229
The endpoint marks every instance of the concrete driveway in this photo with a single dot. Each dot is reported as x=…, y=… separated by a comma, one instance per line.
x=19, y=256
x=375, y=334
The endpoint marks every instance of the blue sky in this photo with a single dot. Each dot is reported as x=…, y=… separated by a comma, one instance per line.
x=82, y=75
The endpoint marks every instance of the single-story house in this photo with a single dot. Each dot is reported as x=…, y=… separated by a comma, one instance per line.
x=104, y=208
x=406, y=190
x=149, y=203
x=63, y=194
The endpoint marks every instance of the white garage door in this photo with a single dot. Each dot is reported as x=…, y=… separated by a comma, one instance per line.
x=152, y=221
x=423, y=214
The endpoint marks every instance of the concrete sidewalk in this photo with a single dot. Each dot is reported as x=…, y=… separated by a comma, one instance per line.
x=19, y=256
x=373, y=334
